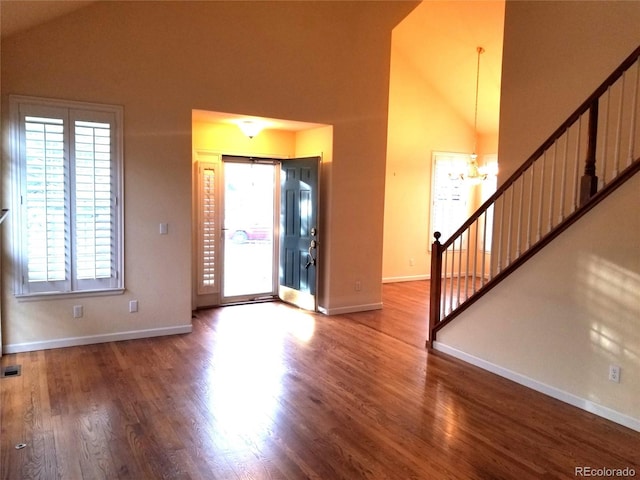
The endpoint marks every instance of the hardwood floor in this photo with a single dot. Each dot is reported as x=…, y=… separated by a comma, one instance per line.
x=266, y=391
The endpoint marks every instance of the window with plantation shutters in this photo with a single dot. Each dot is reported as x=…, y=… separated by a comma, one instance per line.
x=68, y=179
x=207, y=244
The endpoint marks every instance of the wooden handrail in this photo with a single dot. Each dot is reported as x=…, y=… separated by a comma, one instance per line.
x=585, y=197
x=611, y=79
x=629, y=172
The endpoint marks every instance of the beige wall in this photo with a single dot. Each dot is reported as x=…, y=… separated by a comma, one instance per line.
x=321, y=62
x=420, y=122
x=555, y=55
x=563, y=318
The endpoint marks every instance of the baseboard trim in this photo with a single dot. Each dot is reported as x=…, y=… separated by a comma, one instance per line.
x=407, y=278
x=351, y=309
x=571, y=399
x=91, y=339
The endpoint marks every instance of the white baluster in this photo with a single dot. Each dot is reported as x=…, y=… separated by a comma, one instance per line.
x=529, y=219
x=459, y=271
x=453, y=266
x=540, y=202
x=577, y=166
x=510, y=226
x=634, y=111
x=553, y=187
x=563, y=181
x=484, y=246
x=466, y=274
x=519, y=229
x=443, y=290
x=499, y=263
x=616, y=153
x=475, y=255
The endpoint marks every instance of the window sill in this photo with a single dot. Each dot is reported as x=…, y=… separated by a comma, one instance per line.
x=33, y=297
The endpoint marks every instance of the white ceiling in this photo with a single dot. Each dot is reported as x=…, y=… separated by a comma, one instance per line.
x=439, y=37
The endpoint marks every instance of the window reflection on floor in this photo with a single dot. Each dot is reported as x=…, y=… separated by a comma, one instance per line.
x=245, y=382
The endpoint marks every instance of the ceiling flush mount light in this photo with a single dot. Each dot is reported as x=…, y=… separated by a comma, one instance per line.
x=250, y=128
x=474, y=173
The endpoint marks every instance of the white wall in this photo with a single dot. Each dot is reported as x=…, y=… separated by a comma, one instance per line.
x=560, y=320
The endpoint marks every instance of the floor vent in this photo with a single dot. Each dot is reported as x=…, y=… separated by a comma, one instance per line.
x=11, y=371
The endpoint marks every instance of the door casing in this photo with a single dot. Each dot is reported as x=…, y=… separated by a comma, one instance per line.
x=244, y=298
x=286, y=293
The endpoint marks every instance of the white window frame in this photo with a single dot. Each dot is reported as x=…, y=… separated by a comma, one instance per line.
x=70, y=112
x=442, y=165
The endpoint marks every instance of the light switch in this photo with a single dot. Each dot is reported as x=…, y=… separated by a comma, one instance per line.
x=164, y=228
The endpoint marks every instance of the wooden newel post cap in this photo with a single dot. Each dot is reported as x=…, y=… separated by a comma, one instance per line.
x=437, y=235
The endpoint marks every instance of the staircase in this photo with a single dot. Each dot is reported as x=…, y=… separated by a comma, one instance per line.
x=546, y=195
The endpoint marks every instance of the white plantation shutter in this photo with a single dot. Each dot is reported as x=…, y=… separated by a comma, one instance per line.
x=45, y=210
x=207, y=238
x=69, y=176
x=94, y=203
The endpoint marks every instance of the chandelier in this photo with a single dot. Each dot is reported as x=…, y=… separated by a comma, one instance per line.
x=473, y=173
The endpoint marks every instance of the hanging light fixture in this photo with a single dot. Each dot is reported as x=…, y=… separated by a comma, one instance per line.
x=474, y=173
x=250, y=127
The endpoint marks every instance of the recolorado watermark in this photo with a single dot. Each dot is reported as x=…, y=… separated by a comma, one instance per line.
x=604, y=472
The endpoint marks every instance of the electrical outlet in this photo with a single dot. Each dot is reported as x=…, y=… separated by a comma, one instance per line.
x=614, y=373
x=411, y=262
x=357, y=286
x=78, y=311
x=133, y=306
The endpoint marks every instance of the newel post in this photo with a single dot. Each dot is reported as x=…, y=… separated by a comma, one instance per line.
x=589, y=181
x=436, y=287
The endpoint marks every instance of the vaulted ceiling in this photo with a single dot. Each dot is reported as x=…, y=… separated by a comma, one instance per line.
x=18, y=15
x=439, y=37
